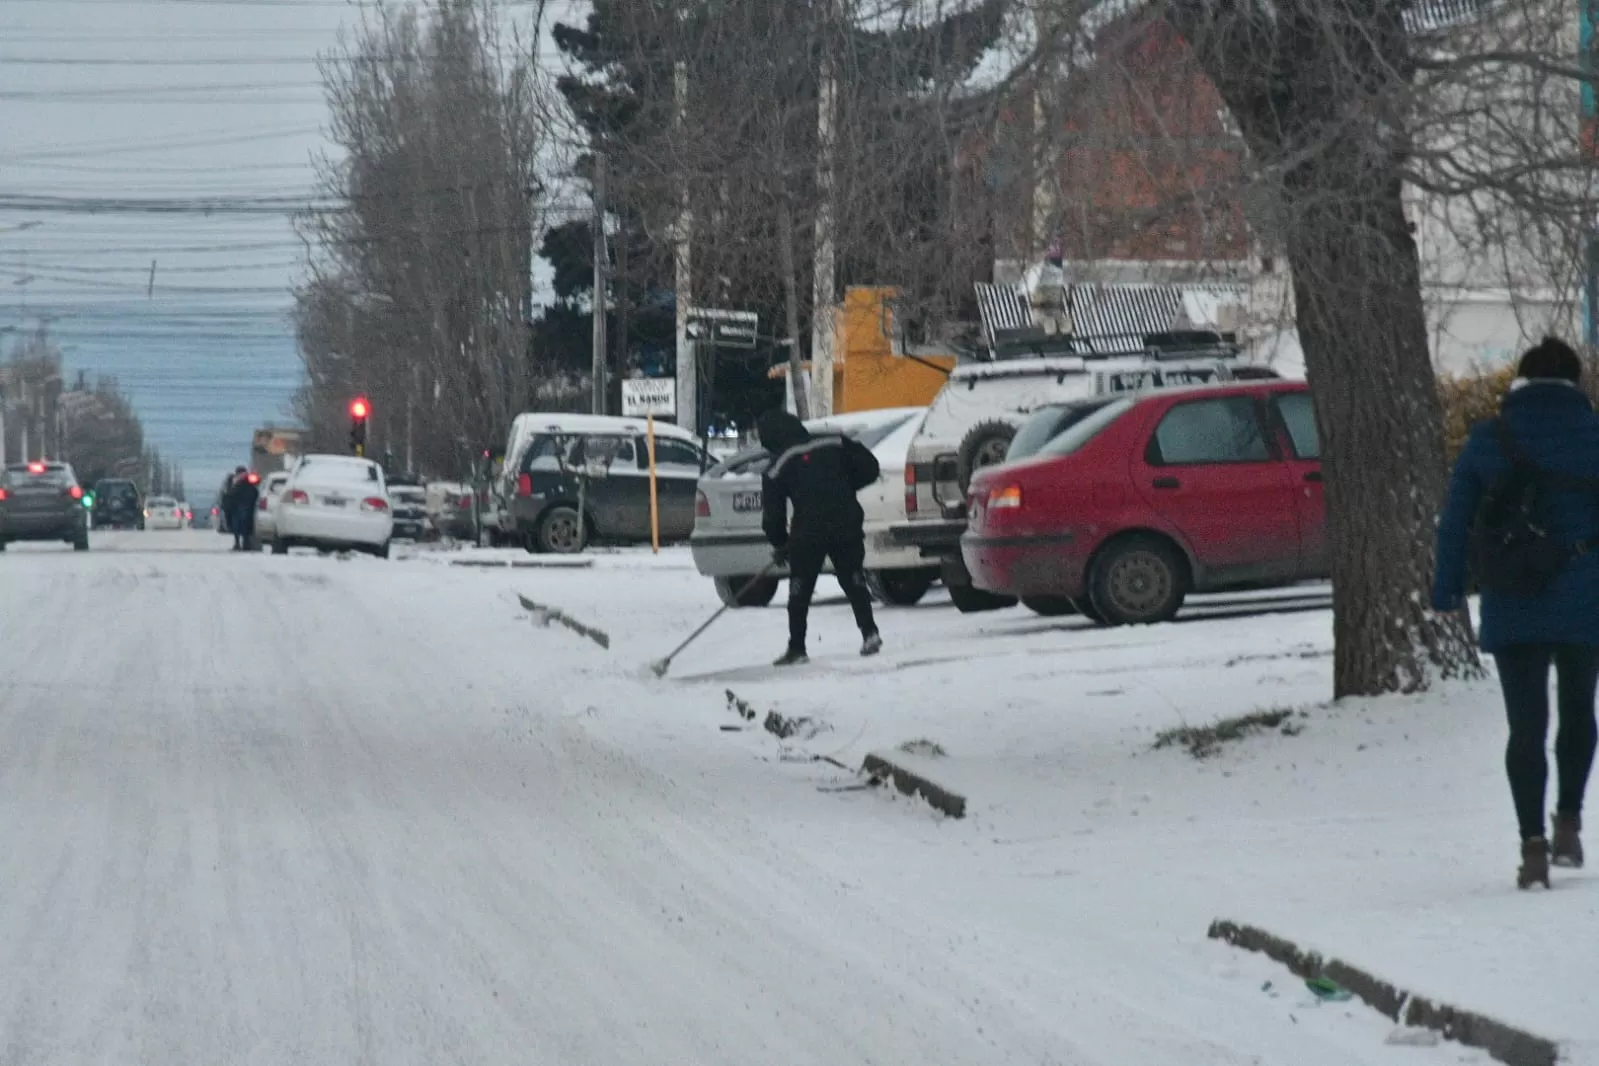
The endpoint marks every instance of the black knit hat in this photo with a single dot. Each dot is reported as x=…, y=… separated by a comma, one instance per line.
x=1551, y=358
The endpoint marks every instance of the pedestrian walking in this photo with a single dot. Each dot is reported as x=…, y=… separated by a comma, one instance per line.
x=1523, y=516
x=819, y=476
x=241, y=509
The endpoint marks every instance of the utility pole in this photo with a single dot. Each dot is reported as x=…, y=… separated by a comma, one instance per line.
x=822, y=277
x=600, y=362
x=1586, y=11
x=682, y=262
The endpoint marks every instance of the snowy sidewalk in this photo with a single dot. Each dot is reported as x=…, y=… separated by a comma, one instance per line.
x=1380, y=833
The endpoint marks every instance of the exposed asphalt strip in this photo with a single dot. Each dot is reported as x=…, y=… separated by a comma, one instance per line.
x=876, y=769
x=543, y=616
x=1505, y=1043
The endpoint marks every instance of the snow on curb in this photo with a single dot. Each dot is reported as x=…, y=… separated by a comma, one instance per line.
x=1505, y=1043
x=543, y=616
x=912, y=783
x=875, y=768
x=523, y=564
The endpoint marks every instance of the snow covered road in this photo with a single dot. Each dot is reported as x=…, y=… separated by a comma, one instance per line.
x=305, y=810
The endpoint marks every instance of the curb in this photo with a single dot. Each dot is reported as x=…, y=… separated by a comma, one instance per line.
x=1505, y=1043
x=520, y=564
x=543, y=616
x=914, y=784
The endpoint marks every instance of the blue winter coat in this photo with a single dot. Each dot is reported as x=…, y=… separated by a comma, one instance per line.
x=1556, y=426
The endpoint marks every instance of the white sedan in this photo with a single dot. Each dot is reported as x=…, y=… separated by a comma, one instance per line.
x=334, y=503
x=266, y=508
x=163, y=512
x=729, y=546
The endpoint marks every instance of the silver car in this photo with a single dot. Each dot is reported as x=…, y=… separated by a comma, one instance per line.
x=730, y=548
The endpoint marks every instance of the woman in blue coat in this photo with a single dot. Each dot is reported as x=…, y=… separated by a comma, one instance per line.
x=1553, y=423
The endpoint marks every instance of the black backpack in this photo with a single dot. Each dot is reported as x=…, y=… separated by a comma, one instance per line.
x=1513, y=552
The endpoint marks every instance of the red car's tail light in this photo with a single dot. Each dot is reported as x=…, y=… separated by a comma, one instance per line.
x=524, y=485
x=702, y=506
x=1007, y=498
x=910, y=488
x=374, y=503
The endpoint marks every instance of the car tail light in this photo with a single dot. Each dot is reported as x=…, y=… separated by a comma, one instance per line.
x=464, y=503
x=910, y=488
x=76, y=492
x=702, y=505
x=374, y=503
x=1007, y=498
x=35, y=468
x=2, y=495
x=297, y=496
x=524, y=485
x=259, y=507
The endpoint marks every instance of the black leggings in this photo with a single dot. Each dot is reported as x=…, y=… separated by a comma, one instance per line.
x=1524, y=676
x=805, y=561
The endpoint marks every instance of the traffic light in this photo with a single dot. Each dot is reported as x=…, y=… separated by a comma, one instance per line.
x=359, y=410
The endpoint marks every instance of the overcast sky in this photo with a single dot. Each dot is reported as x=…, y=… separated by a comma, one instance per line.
x=161, y=99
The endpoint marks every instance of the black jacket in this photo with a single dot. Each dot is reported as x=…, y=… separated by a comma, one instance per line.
x=243, y=495
x=818, y=475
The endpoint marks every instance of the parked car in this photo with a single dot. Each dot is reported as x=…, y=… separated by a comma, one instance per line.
x=1152, y=497
x=977, y=414
x=450, y=510
x=730, y=548
x=266, y=506
x=334, y=503
x=557, y=463
x=409, y=504
x=42, y=501
x=117, y=505
x=163, y=512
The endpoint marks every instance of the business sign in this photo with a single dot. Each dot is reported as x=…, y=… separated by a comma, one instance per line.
x=649, y=396
x=723, y=329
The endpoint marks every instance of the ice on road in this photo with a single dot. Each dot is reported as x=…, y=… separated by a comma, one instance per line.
x=310, y=810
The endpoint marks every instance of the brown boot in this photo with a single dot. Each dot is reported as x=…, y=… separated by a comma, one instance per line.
x=1566, y=846
x=1534, y=863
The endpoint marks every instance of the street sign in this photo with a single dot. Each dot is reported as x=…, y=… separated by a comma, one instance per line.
x=722, y=329
x=649, y=396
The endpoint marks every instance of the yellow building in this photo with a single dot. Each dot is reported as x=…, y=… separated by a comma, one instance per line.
x=867, y=375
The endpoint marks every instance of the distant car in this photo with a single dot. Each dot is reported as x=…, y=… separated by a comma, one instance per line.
x=409, y=503
x=266, y=507
x=1152, y=497
x=42, y=501
x=163, y=512
x=730, y=547
x=188, y=512
x=117, y=505
x=451, y=511
x=334, y=502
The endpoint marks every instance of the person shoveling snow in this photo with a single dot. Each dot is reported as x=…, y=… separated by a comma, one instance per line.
x=820, y=476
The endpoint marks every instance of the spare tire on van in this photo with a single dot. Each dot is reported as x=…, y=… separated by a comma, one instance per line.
x=985, y=444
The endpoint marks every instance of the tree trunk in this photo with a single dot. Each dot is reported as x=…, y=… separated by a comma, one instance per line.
x=1357, y=295
x=1322, y=94
x=785, y=253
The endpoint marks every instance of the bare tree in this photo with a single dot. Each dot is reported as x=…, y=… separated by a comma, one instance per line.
x=419, y=289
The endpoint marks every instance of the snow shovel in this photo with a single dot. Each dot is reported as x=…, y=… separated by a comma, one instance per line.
x=660, y=666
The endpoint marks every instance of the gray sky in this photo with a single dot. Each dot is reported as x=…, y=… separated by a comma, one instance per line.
x=189, y=99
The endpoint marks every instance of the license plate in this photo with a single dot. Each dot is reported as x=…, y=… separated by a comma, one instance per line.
x=745, y=502
x=333, y=501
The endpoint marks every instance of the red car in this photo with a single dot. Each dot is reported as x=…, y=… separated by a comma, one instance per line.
x=1153, y=497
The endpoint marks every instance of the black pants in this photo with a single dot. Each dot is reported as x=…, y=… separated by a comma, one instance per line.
x=805, y=561
x=1524, y=676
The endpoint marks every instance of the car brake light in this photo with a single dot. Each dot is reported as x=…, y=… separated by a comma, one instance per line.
x=524, y=485
x=1006, y=498
x=702, y=506
x=35, y=468
x=374, y=503
x=76, y=492
x=2, y=495
x=260, y=506
x=297, y=496
x=910, y=488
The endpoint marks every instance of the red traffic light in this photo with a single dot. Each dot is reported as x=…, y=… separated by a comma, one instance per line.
x=359, y=408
